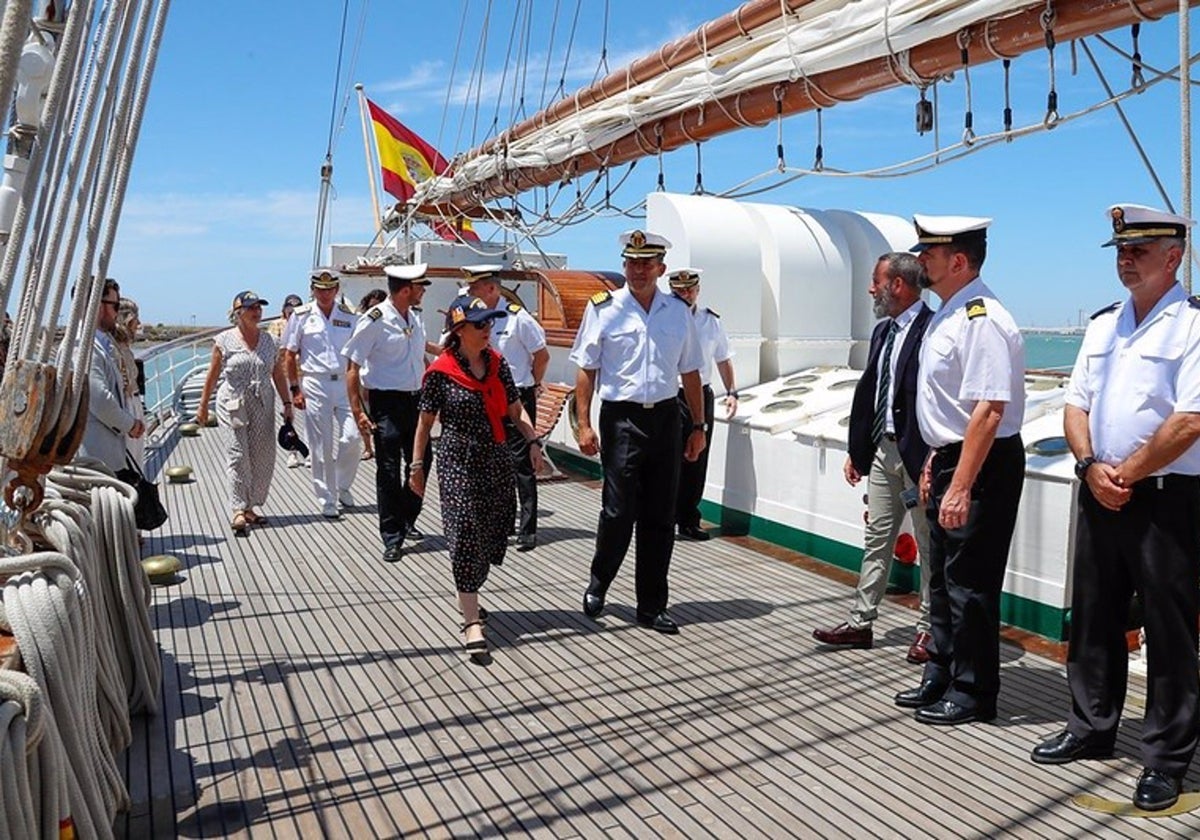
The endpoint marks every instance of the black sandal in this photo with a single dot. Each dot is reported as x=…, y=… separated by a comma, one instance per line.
x=477, y=646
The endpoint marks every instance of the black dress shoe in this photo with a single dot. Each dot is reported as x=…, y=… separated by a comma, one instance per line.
x=694, y=533
x=413, y=535
x=661, y=623
x=929, y=691
x=1156, y=790
x=392, y=553
x=593, y=604
x=948, y=713
x=1065, y=747
x=526, y=542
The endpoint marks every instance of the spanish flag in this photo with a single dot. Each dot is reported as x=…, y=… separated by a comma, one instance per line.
x=407, y=160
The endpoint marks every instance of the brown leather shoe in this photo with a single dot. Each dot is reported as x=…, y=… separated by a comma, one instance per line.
x=844, y=634
x=917, y=652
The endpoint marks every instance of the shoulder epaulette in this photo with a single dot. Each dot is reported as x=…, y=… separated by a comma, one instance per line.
x=601, y=298
x=1194, y=300
x=374, y=313
x=514, y=308
x=712, y=312
x=345, y=307
x=416, y=309
x=976, y=308
x=1110, y=308
x=303, y=309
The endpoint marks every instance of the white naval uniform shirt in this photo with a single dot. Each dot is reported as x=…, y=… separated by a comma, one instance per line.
x=639, y=355
x=970, y=353
x=1130, y=377
x=389, y=348
x=903, y=321
x=714, y=344
x=517, y=338
x=318, y=340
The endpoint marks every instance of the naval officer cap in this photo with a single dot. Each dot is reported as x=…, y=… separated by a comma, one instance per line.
x=684, y=278
x=324, y=278
x=1135, y=224
x=640, y=245
x=948, y=230
x=483, y=271
x=414, y=274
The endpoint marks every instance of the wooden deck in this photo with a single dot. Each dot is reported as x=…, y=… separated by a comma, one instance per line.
x=312, y=690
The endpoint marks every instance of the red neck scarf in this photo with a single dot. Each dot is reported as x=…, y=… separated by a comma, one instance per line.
x=495, y=400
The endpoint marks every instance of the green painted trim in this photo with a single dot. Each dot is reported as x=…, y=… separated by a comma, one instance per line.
x=575, y=462
x=1015, y=610
x=1018, y=611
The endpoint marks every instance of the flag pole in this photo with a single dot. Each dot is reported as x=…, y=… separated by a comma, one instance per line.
x=371, y=156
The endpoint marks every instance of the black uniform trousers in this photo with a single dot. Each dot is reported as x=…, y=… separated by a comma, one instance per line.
x=395, y=414
x=966, y=573
x=1151, y=545
x=693, y=473
x=523, y=466
x=640, y=452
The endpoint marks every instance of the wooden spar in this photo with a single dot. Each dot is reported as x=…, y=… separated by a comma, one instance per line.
x=1010, y=36
x=746, y=18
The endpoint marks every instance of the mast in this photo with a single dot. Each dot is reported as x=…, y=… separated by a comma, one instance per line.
x=1185, y=137
x=370, y=155
x=1009, y=36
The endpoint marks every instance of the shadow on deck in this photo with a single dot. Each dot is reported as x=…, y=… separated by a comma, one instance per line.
x=312, y=690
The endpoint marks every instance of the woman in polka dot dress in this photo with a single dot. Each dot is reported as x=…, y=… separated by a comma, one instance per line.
x=471, y=388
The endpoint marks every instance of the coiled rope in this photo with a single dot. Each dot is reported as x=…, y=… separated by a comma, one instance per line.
x=33, y=791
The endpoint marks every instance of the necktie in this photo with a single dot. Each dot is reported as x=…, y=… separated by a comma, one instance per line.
x=885, y=385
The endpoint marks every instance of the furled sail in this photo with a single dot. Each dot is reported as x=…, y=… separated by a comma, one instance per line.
x=757, y=63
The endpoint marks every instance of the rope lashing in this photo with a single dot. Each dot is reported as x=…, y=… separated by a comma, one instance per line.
x=1138, y=80
x=779, y=92
x=1008, y=111
x=1047, y=20
x=964, y=41
x=819, y=154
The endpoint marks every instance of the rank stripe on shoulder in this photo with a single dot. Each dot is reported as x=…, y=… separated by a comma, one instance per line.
x=374, y=313
x=514, y=308
x=1110, y=308
x=601, y=298
x=713, y=313
x=1194, y=300
x=976, y=308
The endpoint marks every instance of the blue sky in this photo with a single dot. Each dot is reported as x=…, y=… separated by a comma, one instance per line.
x=223, y=193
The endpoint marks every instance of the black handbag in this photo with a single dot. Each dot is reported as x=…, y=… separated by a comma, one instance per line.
x=148, y=510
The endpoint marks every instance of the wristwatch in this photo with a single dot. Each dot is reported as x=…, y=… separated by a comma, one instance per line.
x=294, y=388
x=1081, y=467
x=699, y=427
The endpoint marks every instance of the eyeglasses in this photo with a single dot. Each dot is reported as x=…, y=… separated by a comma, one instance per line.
x=483, y=325
x=115, y=304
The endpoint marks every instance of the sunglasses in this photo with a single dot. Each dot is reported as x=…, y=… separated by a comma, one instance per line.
x=115, y=304
x=483, y=325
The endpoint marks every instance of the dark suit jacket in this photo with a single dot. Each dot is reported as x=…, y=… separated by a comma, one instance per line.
x=904, y=400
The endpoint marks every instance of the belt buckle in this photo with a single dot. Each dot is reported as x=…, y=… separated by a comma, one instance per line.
x=647, y=405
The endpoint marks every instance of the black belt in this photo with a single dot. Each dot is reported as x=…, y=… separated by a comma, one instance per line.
x=1170, y=481
x=643, y=406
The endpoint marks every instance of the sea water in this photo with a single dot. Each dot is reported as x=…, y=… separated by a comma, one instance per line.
x=1051, y=350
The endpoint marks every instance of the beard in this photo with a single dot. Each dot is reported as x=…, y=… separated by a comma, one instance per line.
x=881, y=305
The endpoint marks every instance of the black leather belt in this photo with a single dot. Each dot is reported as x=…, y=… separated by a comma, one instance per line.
x=644, y=406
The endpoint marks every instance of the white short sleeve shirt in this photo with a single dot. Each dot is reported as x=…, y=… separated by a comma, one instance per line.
x=389, y=347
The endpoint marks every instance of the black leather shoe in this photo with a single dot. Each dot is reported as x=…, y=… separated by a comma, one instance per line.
x=1156, y=790
x=924, y=694
x=392, y=553
x=1064, y=748
x=593, y=604
x=948, y=713
x=694, y=533
x=526, y=542
x=413, y=535
x=661, y=623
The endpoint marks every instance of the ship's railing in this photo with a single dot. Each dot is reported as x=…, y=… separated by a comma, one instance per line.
x=167, y=366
